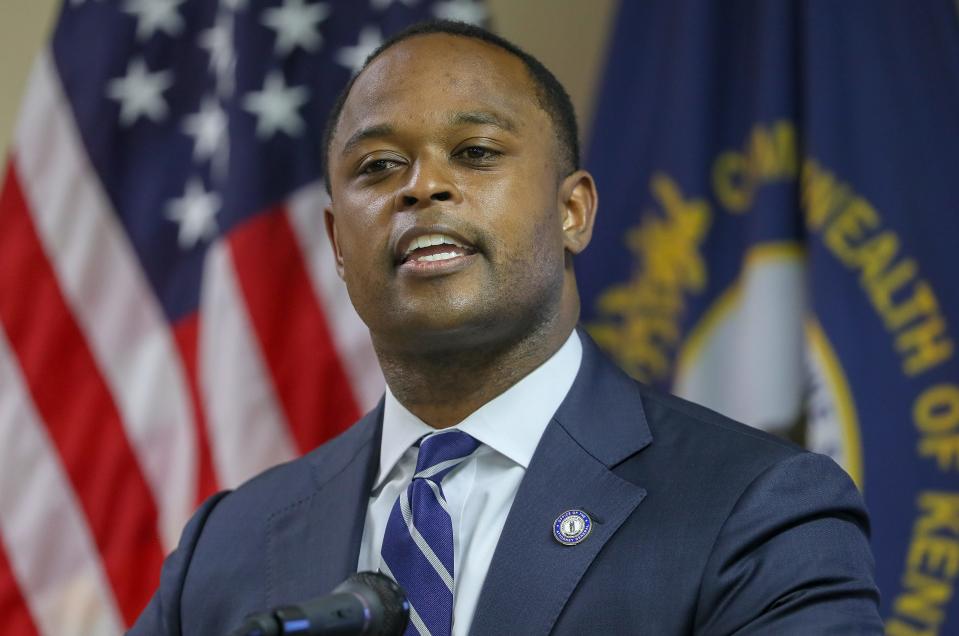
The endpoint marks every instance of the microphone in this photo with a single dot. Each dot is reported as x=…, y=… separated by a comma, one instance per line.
x=367, y=603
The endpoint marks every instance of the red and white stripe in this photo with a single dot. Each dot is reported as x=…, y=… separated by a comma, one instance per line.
x=247, y=432
x=351, y=339
x=61, y=580
x=108, y=296
x=112, y=421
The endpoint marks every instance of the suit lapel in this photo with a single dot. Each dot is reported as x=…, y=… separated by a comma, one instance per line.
x=314, y=543
x=532, y=575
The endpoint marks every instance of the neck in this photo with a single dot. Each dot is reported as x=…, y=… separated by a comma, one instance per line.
x=443, y=388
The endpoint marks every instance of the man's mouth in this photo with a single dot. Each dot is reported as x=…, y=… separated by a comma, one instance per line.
x=434, y=247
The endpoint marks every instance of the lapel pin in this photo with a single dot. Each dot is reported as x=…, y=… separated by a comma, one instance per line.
x=572, y=527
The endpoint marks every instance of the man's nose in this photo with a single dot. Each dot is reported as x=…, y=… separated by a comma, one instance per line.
x=431, y=180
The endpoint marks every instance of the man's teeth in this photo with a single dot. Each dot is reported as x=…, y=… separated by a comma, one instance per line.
x=443, y=256
x=429, y=240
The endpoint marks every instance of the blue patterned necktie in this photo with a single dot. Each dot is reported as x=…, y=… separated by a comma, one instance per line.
x=418, y=542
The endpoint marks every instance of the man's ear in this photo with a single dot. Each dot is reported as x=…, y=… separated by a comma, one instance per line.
x=578, y=203
x=331, y=234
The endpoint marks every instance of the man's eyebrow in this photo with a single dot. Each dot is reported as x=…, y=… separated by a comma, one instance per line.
x=482, y=117
x=479, y=117
x=379, y=130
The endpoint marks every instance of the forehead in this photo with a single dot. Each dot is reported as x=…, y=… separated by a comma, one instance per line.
x=437, y=76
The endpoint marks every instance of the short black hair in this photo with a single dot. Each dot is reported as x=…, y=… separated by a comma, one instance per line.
x=550, y=94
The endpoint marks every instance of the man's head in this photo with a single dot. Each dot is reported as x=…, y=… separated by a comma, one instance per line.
x=445, y=137
x=550, y=93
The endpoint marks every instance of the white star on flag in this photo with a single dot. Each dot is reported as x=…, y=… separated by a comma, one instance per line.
x=296, y=24
x=195, y=212
x=276, y=106
x=461, y=11
x=218, y=42
x=207, y=127
x=155, y=15
x=140, y=93
x=379, y=5
x=353, y=57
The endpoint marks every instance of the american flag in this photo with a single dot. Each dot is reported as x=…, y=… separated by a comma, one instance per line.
x=170, y=319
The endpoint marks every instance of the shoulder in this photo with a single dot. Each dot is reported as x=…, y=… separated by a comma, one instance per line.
x=672, y=419
x=778, y=535
x=618, y=418
x=720, y=462
x=770, y=517
x=241, y=516
x=226, y=544
x=287, y=484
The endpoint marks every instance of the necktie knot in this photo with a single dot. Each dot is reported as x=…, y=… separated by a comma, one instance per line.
x=442, y=452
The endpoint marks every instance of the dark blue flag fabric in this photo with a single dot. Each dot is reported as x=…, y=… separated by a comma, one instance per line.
x=779, y=240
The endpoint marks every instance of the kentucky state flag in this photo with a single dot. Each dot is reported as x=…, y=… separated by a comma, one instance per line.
x=779, y=240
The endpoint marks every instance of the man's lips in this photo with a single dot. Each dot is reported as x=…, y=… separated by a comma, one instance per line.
x=421, y=245
x=442, y=264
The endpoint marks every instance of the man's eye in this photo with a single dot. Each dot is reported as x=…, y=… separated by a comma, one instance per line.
x=378, y=165
x=478, y=154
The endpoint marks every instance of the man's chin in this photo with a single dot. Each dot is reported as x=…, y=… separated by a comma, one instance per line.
x=438, y=332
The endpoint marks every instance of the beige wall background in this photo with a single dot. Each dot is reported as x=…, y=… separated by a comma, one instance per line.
x=24, y=27
x=569, y=36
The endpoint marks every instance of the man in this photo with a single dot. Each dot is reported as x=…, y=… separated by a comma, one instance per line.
x=567, y=497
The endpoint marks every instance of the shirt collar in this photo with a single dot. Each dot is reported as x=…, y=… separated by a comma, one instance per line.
x=511, y=423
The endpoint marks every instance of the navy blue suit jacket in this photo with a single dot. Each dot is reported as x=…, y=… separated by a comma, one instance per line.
x=700, y=526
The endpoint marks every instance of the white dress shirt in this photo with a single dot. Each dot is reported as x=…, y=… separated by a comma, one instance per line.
x=481, y=489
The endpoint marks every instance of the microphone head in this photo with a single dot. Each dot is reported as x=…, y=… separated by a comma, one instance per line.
x=388, y=611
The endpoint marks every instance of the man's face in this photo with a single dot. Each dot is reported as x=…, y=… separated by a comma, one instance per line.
x=447, y=217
